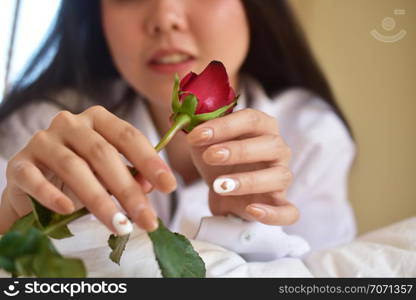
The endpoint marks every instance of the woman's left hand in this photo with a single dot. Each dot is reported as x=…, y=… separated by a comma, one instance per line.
x=245, y=163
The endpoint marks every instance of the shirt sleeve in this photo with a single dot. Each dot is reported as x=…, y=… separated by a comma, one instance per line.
x=18, y=128
x=254, y=241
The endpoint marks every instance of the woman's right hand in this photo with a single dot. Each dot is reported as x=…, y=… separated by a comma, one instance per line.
x=84, y=152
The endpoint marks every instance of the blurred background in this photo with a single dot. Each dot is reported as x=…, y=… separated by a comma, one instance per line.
x=373, y=76
x=367, y=48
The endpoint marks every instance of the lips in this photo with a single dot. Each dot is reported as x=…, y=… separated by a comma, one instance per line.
x=160, y=54
x=169, y=61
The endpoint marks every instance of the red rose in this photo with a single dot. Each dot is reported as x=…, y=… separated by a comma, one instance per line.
x=199, y=98
x=203, y=97
x=211, y=88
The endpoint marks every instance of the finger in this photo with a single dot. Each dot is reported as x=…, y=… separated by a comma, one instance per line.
x=76, y=174
x=105, y=160
x=147, y=187
x=258, y=149
x=28, y=178
x=134, y=146
x=272, y=179
x=7, y=207
x=247, y=122
x=274, y=215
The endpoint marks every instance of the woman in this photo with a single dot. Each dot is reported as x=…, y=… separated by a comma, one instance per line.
x=121, y=55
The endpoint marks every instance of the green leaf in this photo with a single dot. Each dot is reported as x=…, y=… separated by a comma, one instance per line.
x=175, y=95
x=49, y=263
x=26, y=250
x=175, y=254
x=24, y=265
x=117, y=244
x=42, y=214
x=61, y=233
x=59, y=267
x=24, y=223
x=34, y=254
x=15, y=244
x=48, y=218
x=6, y=264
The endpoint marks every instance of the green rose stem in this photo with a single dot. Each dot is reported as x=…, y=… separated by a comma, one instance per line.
x=181, y=121
x=72, y=217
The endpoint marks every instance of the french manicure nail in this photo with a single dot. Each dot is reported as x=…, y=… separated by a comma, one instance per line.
x=155, y=225
x=149, y=220
x=202, y=135
x=122, y=225
x=165, y=180
x=63, y=206
x=224, y=185
x=219, y=155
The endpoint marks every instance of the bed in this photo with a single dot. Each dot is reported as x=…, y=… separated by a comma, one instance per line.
x=387, y=252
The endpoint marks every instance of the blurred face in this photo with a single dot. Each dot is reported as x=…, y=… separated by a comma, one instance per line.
x=151, y=40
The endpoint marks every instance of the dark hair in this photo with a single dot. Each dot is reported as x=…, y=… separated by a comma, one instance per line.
x=276, y=42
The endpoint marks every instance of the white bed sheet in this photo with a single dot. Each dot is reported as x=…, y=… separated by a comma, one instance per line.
x=387, y=252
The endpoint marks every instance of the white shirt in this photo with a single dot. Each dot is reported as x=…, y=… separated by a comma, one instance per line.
x=322, y=154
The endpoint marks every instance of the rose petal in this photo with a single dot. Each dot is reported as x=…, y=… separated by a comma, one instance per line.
x=190, y=76
x=231, y=96
x=211, y=87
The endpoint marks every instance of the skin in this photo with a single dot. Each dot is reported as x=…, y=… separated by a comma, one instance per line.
x=258, y=157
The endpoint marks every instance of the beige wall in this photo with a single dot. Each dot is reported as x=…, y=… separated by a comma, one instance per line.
x=375, y=84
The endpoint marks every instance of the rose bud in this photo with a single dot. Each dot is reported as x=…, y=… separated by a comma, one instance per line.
x=199, y=98
x=203, y=97
x=211, y=88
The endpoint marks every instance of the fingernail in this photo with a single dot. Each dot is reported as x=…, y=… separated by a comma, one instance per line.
x=219, y=155
x=154, y=226
x=165, y=180
x=202, y=135
x=256, y=211
x=122, y=225
x=68, y=208
x=224, y=185
x=149, y=220
x=63, y=206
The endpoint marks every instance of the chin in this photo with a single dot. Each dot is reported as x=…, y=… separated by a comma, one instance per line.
x=158, y=99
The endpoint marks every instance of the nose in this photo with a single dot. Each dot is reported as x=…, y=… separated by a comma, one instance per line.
x=166, y=16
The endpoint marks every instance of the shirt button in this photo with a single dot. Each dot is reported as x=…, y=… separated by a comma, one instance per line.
x=246, y=237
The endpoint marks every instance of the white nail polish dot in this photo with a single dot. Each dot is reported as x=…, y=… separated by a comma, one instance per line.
x=122, y=225
x=224, y=185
